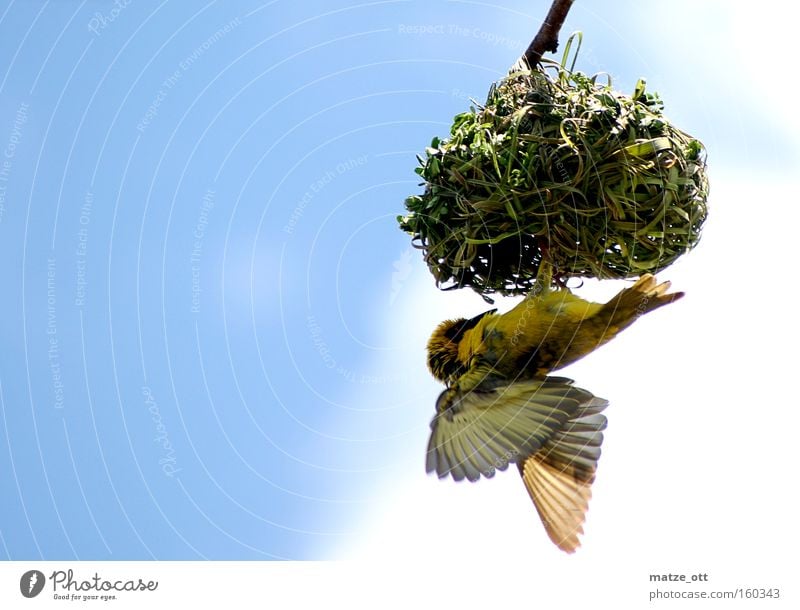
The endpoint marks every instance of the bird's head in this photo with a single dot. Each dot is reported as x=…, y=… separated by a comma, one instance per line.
x=443, y=360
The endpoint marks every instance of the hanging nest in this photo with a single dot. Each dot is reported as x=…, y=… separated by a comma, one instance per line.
x=557, y=166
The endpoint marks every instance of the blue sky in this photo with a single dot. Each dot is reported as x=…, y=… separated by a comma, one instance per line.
x=213, y=330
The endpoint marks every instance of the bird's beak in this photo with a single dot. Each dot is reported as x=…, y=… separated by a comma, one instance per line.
x=471, y=323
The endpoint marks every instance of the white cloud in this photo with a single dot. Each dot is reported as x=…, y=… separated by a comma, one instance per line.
x=693, y=474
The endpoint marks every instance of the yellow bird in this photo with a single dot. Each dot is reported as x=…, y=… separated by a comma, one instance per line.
x=501, y=407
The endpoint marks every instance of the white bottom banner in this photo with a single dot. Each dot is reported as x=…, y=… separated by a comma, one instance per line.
x=425, y=582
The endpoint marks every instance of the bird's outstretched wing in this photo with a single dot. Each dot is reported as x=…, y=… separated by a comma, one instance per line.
x=559, y=476
x=479, y=432
x=552, y=431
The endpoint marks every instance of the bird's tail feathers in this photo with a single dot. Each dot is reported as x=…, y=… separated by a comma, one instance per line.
x=559, y=477
x=644, y=296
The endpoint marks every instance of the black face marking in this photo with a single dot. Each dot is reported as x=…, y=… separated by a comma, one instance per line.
x=455, y=332
x=445, y=365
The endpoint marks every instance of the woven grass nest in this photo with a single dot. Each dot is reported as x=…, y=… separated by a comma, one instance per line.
x=557, y=167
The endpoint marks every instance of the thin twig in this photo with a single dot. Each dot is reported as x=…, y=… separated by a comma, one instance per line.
x=547, y=37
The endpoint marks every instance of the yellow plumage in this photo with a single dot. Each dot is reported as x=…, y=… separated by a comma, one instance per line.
x=501, y=407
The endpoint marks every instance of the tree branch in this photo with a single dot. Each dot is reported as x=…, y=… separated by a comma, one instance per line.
x=547, y=37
